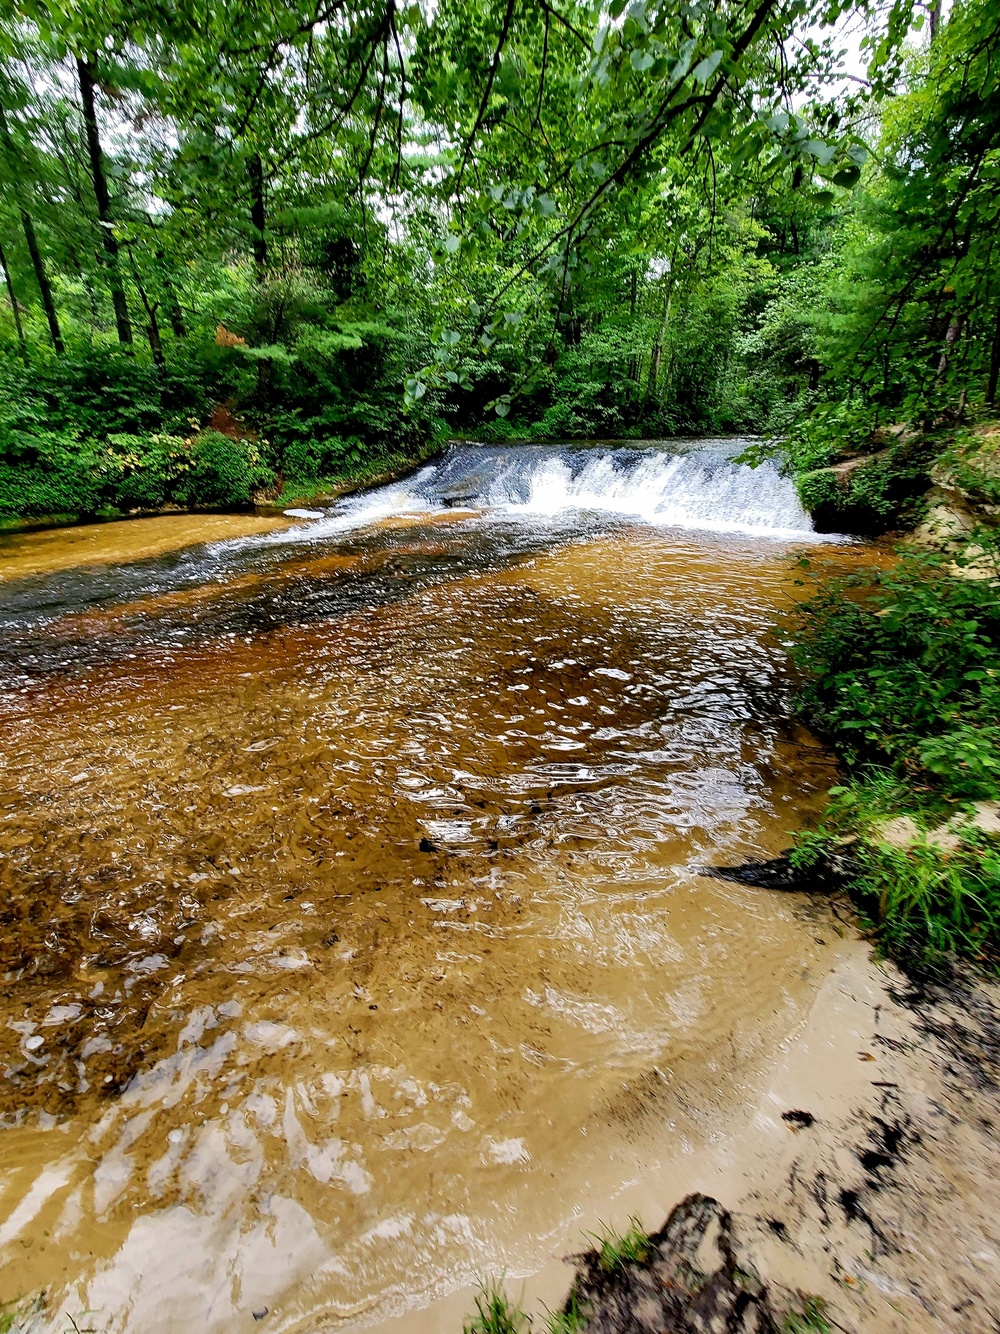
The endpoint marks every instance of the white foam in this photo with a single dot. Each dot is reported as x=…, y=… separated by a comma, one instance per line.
x=694, y=486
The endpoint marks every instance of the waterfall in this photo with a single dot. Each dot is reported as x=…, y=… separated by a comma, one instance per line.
x=688, y=485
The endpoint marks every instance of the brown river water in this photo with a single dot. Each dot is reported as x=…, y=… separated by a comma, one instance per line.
x=353, y=928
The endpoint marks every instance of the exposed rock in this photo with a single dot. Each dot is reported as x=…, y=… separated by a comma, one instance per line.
x=697, y=1278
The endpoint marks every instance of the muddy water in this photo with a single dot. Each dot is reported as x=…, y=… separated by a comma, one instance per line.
x=351, y=916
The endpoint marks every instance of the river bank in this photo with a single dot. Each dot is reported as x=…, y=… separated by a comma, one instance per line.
x=859, y=1193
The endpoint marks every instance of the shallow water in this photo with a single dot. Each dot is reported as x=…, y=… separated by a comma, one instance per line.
x=352, y=916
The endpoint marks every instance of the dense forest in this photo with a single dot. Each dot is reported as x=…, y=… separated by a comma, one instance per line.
x=253, y=249
x=341, y=232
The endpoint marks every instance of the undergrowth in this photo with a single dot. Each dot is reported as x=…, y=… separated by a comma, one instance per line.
x=901, y=674
x=495, y=1313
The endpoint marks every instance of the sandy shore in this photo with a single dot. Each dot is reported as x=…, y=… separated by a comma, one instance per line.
x=886, y=1206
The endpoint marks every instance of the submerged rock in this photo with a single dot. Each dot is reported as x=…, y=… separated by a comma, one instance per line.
x=779, y=873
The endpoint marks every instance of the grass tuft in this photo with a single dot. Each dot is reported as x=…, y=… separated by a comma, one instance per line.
x=615, y=1250
x=495, y=1313
x=810, y=1320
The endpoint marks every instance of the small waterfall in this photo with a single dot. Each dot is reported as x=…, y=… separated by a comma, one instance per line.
x=692, y=485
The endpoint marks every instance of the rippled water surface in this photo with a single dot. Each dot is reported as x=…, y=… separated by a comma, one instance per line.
x=351, y=915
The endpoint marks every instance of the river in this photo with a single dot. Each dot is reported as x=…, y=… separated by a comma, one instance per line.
x=353, y=924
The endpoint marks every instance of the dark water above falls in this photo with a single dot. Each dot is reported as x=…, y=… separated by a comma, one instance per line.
x=352, y=927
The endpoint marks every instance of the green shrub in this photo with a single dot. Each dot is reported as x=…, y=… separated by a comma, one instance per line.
x=49, y=473
x=935, y=894
x=902, y=676
x=902, y=668
x=224, y=471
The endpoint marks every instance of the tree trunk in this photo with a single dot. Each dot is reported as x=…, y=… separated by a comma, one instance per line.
x=656, y=358
x=174, y=313
x=85, y=72
x=153, y=325
x=42, y=278
x=991, y=384
x=13, y=306
x=934, y=14
x=950, y=339
x=155, y=343
x=32, y=242
x=258, y=215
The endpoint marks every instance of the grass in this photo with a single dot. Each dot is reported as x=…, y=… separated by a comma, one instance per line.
x=924, y=900
x=617, y=1249
x=495, y=1313
x=570, y=1321
x=810, y=1320
x=20, y=1309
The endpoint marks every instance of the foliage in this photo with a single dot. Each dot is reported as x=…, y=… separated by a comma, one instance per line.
x=902, y=676
x=902, y=668
x=931, y=895
x=52, y=473
x=567, y=218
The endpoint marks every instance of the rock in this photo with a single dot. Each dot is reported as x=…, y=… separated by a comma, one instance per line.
x=695, y=1279
x=799, y=1120
x=780, y=874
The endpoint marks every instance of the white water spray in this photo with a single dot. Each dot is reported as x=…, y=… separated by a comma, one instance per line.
x=691, y=486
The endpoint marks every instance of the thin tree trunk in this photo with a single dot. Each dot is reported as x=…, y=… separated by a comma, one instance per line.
x=991, y=384
x=42, y=278
x=934, y=14
x=656, y=358
x=85, y=72
x=13, y=306
x=950, y=339
x=32, y=241
x=258, y=215
x=153, y=325
x=155, y=343
x=258, y=222
x=634, y=363
x=174, y=313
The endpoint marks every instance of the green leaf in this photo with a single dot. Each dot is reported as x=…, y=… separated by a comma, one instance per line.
x=704, y=70
x=847, y=177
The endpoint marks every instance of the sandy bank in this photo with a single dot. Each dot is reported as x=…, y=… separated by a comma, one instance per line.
x=23, y=554
x=885, y=1206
